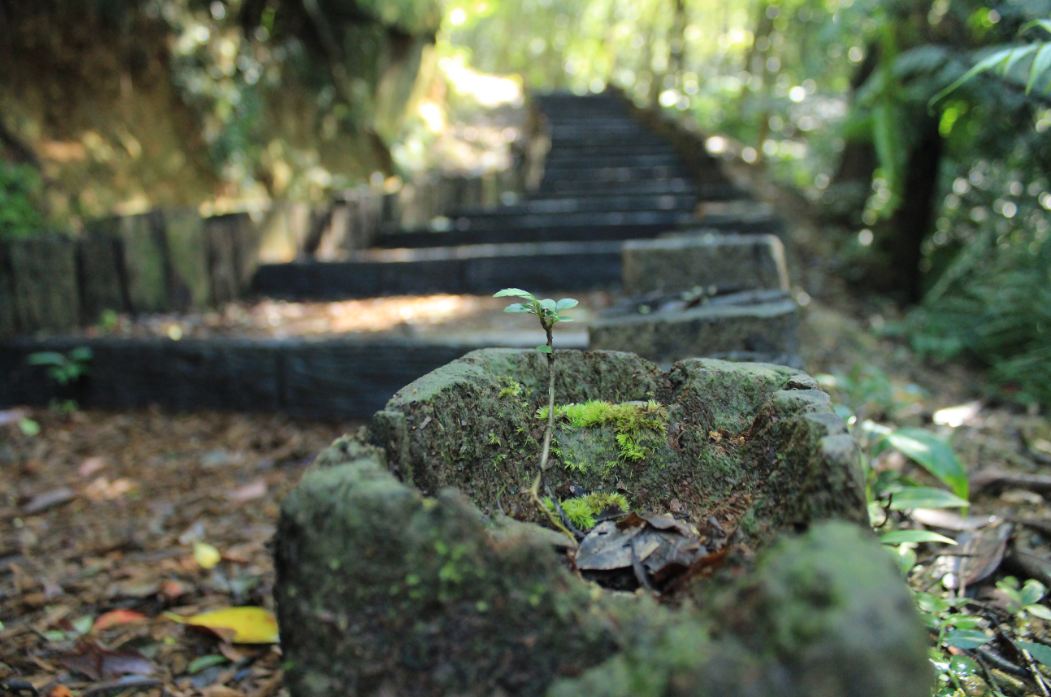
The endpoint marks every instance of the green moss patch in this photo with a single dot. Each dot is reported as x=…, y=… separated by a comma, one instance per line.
x=584, y=511
x=638, y=428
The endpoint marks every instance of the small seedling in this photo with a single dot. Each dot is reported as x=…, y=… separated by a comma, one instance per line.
x=548, y=313
x=63, y=368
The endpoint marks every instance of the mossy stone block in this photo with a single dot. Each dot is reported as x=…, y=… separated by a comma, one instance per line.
x=686, y=261
x=144, y=249
x=188, y=252
x=101, y=271
x=42, y=273
x=765, y=330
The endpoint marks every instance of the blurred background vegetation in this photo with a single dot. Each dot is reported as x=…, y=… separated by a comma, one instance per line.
x=917, y=130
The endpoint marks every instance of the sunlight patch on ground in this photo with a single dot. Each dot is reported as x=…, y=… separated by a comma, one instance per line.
x=489, y=91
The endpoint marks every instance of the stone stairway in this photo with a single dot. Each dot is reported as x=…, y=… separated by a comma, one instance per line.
x=606, y=179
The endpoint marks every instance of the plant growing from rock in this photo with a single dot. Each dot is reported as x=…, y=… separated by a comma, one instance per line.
x=549, y=313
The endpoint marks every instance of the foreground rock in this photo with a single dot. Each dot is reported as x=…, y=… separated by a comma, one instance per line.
x=392, y=582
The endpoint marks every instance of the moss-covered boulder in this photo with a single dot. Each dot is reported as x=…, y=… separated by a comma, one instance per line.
x=414, y=564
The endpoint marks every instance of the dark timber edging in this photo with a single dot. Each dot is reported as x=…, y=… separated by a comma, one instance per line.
x=475, y=270
x=343, y=378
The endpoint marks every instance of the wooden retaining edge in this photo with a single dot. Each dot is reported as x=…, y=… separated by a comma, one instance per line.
x=344, y=378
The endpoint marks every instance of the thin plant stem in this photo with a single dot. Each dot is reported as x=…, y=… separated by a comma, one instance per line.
x=545, y=451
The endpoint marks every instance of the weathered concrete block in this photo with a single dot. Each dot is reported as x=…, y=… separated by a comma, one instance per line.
x=101, y=273
x=684, y=262
x=233, y=254
x=189, y=286
x=754, y=325
x=8, y=315
x=389, y=587
x=144, y=251
x=42, y=277
x=283, y=230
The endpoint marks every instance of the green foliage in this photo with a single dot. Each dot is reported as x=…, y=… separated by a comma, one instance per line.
x=1025, y=64
x=63, y=368
x=546, y=310
x=29, y=427
x=1024, y=599
x=932, y=453
x=20, y=191
x=998, y=313
x=585, y=511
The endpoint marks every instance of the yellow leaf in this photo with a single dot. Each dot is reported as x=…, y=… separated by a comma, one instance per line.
x=240, y=625
x=206, y=555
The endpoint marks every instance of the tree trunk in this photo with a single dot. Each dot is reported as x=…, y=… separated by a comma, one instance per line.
x=902, y=237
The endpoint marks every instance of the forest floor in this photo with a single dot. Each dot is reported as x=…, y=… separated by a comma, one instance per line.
x=107, y=522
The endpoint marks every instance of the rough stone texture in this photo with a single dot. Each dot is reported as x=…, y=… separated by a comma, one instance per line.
x=222, y=236
x=101, y=273
x=764, y=331
x=40, y=275
x=144, y=251
x=392, y=583
x=683, y=262
x=472, y=424
x=821, y=615
x=383, y=591
x=189, y=286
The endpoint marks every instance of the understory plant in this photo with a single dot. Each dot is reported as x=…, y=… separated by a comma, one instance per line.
x=549, y=313
x=963, y=630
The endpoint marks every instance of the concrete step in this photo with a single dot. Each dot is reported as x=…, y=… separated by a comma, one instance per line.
x=624, y=202
x=557, y=160
x=461, y=268
x=599, y=175
x=756, y=325
x=542, y=228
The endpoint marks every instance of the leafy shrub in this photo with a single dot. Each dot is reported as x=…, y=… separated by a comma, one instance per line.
x=1000, y=316
x=20, y=185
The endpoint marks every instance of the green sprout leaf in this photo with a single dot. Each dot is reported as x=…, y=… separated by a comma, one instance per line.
x=514, y=293
x=46, y=358
x=1040, y=652
x=966, y=638
x=516, y=307
x=898, y=536
x=913, y=497
x=1041, y=611
x=566, y=303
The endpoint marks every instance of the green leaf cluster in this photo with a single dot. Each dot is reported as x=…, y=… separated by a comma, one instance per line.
x=63, y=368
x=547, y=310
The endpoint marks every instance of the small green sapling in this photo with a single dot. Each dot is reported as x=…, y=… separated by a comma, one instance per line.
x=548, y=312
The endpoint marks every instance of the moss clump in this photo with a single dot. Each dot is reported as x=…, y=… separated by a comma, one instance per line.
x=633, y=423
x=584, y=511
x=510, y=388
